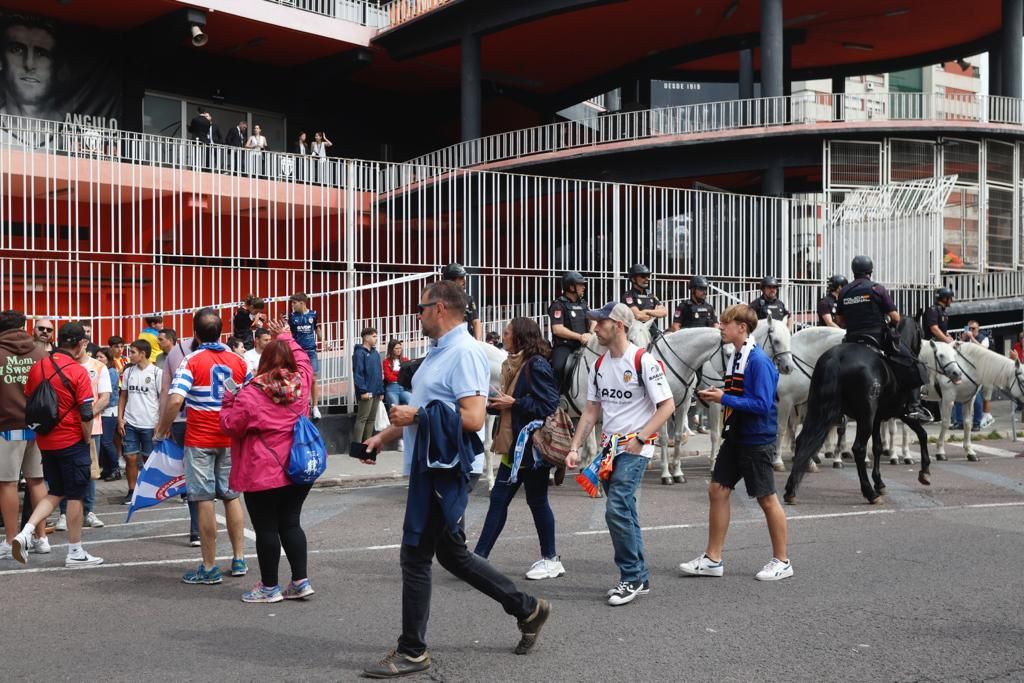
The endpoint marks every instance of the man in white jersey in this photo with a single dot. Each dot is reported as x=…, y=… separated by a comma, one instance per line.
x=627, y=387
x=138, y=410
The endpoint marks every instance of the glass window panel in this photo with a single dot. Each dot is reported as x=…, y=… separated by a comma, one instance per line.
x=911, y=160
x=999, y=164
x=161, y=116
x=960, y=230
x=999, y=228
x=855, y=163
x=960, y=157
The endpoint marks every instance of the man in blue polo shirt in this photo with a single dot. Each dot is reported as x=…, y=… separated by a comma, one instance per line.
x=303, y=325
x=455, y=371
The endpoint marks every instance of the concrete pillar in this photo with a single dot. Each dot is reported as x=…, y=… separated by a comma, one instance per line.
x=838, y=106
x=746, y=79
x=995, y=70
x=787, y=70
x=471, y=86
x=772, y=57
x=1012, y=47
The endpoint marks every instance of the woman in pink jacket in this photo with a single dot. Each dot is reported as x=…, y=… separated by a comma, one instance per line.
x=260, y=420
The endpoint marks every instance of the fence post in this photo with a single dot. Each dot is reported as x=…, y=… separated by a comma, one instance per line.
x=350, y=230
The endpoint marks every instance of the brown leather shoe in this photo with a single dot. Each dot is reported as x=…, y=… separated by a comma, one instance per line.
x=396, y=664
x=530, y=628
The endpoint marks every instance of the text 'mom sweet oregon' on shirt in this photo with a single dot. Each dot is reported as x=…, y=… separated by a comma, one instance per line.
x=626, y=405
x=200, y=380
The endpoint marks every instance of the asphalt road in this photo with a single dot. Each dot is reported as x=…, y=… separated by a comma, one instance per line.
x=926, y=587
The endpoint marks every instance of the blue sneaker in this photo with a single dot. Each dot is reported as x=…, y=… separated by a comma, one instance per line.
x=239, y=567
x=297, y=590
x=203, y=576
x=261, y=593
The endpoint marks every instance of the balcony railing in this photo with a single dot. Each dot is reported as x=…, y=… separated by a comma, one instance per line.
x=714, y=117
x=400, y=11
x=365, y=12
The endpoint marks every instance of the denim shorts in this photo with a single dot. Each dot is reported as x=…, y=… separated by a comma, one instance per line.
x=137, y=440
x=315, y=361
x=68, y=471
x=206, y=473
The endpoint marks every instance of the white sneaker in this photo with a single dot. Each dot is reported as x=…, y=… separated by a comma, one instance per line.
x=83, y=559
x=20, y=545
x=39, y=546
x=703, y=566
x=92, y=520
x=546, y=569
x=775, y=570
x=5, y=551
x=987, y=420
x=62, y=523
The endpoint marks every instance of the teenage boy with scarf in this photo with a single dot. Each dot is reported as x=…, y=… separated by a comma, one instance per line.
x=749, y=430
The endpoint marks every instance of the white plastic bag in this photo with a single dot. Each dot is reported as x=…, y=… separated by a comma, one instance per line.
x=381, y=422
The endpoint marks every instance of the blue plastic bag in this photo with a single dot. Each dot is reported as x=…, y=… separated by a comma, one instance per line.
x=308, y=458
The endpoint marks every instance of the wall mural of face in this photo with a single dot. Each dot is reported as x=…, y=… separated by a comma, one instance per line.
x=28, y=61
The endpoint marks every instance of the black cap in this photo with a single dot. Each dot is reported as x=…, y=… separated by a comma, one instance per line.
x=699, y=282
x=70, y=334
x=837, y=281
x=639, y=269
x=572, y=278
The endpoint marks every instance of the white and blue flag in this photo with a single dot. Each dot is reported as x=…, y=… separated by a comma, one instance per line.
x=163, y=476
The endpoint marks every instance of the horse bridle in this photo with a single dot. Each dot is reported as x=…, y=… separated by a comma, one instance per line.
x=969, y=378
x=942, y=368
x=693, y=371
x=771, y=344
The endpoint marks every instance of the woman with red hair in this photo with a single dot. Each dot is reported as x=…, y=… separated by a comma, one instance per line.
x=261, y=421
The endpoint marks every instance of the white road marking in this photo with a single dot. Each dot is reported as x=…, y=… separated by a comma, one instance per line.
x=149, y=521
x=125, y=540
x=335, y=551
x=992, y=450
x=246, y=531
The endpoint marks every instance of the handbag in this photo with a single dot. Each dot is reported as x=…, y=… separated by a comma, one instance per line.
x=553, y=440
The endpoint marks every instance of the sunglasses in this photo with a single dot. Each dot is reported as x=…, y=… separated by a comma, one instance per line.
x=422, y=307
x=44, y=329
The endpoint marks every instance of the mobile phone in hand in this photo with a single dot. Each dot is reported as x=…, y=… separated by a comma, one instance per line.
x=230, y=385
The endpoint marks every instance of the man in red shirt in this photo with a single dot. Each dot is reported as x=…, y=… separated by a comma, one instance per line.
x=65, y=449
x=199, y=383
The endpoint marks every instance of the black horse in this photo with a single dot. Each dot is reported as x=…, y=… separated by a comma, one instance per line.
x=854, y=380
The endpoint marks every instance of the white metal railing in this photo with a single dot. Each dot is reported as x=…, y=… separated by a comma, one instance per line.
x=711, y=117
x=364, y=12
x=400, y=11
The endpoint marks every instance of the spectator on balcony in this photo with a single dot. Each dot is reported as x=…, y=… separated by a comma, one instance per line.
x=301, y=146
x=236, y=137
x=248, y=318
x=203, y=129
x=256, y=143
x=318, y=150
x=28, y=59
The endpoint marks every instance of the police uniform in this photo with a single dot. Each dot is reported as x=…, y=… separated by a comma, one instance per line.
x=864, y=305
x=573, y=315
x=644, y=301
x=692, y=313
x=827, y=306
x=774, y=309
x=472, y=313
x=936, y=315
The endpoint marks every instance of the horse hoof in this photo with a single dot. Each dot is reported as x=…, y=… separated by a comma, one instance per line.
x=880, y=491
x=847, y=455
x=778, y=467
x=940, y=456
x=789, y=499
x=667, y=481
x=972, y=457
x=924, y=478
x=811, y=467
x=908, y=461
x=894, y=461
x=877, y=500
x=679, y=479
x=837, y=465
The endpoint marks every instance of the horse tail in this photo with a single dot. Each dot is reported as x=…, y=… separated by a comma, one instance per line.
x=824, y=409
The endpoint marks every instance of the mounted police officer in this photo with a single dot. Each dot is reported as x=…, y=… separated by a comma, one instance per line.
x=457, y=274
x=695, y=311
x=827, y=304
x=641, y=301
x=768, y=305
x=936, y=320
x=866, y=310
x=570, y=327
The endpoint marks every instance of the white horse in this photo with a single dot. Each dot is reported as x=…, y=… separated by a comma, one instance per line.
x=682, y=353
x=980, y=367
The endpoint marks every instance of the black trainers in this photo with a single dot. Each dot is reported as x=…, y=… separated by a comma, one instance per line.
x=128, y=499
x=530, y=628
x=626, y=591
x=396, y=664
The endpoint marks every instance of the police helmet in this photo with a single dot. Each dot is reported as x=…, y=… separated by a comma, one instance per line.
x=943, y=293
x=638, y=270
x=862, y=265
x=837, y=281
x=453, y=271
x=699, y=282
x=769, y=281
x=572, y=278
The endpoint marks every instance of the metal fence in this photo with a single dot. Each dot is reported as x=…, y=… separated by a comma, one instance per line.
x=712, y=117
x=138, y=225
x=365, y=12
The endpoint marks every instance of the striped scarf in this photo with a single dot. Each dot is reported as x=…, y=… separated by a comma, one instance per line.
x=601, y=469
x=737, y=364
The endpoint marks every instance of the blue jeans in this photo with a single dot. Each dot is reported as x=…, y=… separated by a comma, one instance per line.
x=89, y=500
x=958, y=411
x=108, y=451
x=536, y=483
x=396, y=395
x=622, y=516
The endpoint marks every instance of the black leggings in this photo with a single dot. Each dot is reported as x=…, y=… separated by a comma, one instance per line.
x=275, y=518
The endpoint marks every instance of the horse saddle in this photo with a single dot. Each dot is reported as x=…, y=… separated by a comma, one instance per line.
x=570, y=370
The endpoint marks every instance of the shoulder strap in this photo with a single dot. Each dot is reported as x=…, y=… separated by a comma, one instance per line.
x=597, y=366
x=67, y=385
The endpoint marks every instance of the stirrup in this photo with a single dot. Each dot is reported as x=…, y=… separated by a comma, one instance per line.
x=918, y=413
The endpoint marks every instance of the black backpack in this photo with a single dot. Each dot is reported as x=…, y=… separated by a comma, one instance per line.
x=42, y=411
